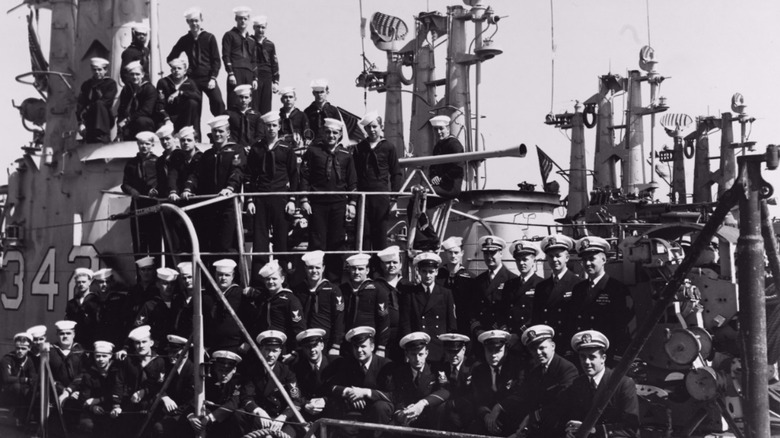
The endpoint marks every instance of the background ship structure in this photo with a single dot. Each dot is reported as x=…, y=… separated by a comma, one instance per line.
x=699, y=371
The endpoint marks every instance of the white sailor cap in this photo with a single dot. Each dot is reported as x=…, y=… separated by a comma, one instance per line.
x=537, y=333
x=133, y=66
x=185, y=268
x=592, y=244
x=98, y=62
x=23, y=335
x=180, y=61
x=440, y=121
x=358, y=259
x=453, y=341
x=495, y=338
x=369, y=118
x=224, y=265
x=177, y=340
x=270, y=117
x=310, y=335
x=287, y=90
x=452, y=242
x=270, y=269
x=243, y=90
x=140, y=28
x=389, y=254
x=167, y=274
x=78, y=272
x=359, y=334
x=271, y=338
x=193, y=12
x=335, y=124
x=103, y=347
x=589, y=339
x=259, y=20
x=426, y=259
x=165, y=130
x=241, y=11
x=524, y=247
x=140, y=333
x=146, y=136
x=186, y=132
x=313, y=258
x=415, y=341
x=219, y=121
x=103, y=274
x=492, y=243
x=65, y=325
x=557, y=241
x=226, y=356
x=319, y=85
x=37, y=331
x=145, y=262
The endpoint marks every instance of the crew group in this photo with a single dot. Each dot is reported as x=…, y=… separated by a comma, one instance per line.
x=491, y=354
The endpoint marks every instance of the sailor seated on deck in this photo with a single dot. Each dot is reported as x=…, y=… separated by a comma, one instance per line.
x=94, y=111
x=18, y=376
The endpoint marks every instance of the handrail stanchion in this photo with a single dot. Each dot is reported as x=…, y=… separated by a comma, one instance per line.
x=43, y=385
x=361, y=222
x=243, y=268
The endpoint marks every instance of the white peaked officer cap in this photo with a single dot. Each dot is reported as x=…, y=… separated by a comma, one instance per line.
x=333, y=124
x=103, y=274
x=390, y=253
x=219, y=121
x=453, y=341
x=140, y=333
x=186, y=131
x=104, y=347
x=226, y=356
x=243, y=90
x=414, y=341
x=241, y=11
x=591, y=245
x=310, y=333
x=537, y=333
x=492, y=243
x=494, y=337
x=270, y=117
x=165, y=130
x=557, y=241
x=319, y=85
x=358, y=260
x=313, y=258
x=83, y=271
x=426, y=259
x=259, y=20
x=133, y=66
x=271, y=337
x=359, y=334
x=185, y=268
x=175, y=339
x=193, y=12
x=65, y=325
x=452, y=242
x=589, y=339
x=167, y=274
x=270, y=269
x=224, y=265
x=37, y=331
x=524, y=247
x=98, y=62
x=145, y=262
x=369, y=118
x=440, y=121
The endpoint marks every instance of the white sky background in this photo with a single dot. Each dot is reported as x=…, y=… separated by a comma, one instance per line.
x=708, y=49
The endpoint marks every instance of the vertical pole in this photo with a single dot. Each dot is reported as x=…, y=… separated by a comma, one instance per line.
x=43, y=385
x=752, y=307
x=240, y=239
x=361, y=222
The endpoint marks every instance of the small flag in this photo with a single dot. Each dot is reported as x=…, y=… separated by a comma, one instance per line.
x=545, y=164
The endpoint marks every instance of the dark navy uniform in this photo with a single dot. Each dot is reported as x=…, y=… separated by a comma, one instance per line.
x=394, y=351
x=267, y=65
x=432, y=313
x=294, y=123
x=238, y=51
x=85, y=313
x=219, y=328
x=182, y=391
x=204, y=61
x=246, y=127
x=407, y=389
x=314, y=381
x=551, y=302
x=138, y=296
x=377, y=378
x=377, y=170
x=66, y=368
x=95, y=109
x=179, y=172
x=160, y=316
x=223, y=401
x=114, y=317
x=367, y=306
x=166, y=179
x=519, y=300
x=94, y=383
x=18, y=376
x=488, y=309
x=451, y=173
x=457, y=412
x=485, y=397
x=184, y=109
x=140, y=173
x=281, y=311
x=259, y=390
x=137, y=52
x=323, y=308
x=137, y=104
x=459, y=283
x=318, y=115
x=131, y=377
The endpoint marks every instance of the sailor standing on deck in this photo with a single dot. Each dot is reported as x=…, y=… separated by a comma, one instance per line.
x=519, y=292
x=140, y=182
x=488, y=308
x=454, y=276
x=220, y=329
x=144, y=290
x=180, y=171
x=392, y=280
x=366, y=304
x=246, y=126
x=238, y=52
x=267, y=65
x=160, y=311
x=278, y=308
x=95, y=105
x=171, y=158
x=138, y=50
x=293, y=122
x=320, y=109
x=112, y=315
x=84, y=307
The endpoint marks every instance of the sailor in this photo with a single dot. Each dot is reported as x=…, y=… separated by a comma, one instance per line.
x=259, y=394
x=172, y=157
x=427, y=307
x=91, y=392
x=144, y=290
x=38, y=335
x=492, y=381
x=454, y=276
x=84, y=307
x=178, y=99
x=601, y=303
x=621, y=415
x=488, y=309
x=95, y=112
x=272, y=167
x=314, y=370
x=220, y=172
x=140, y=182
x=18, y=377
x=113, y=312
x=519, y=292
x=328, y=166
x=222, y=397
x=553, y=294
x=138, y=380
x=366, y=304
x=446, y=178
x=177, y=399
x=137, y=103
x=67, y=361
x=456, y=413
x=220, y=329
x=392, y=280
x=320, y=109
x=138, y=50
x=293, y=122
x=416, y=390
x=361, y=385
x=376, y=164
x=160, y=311
x=538, y=393
x=180, y=171
x=238, y=52
x=267, y=65
x=323, y=303
x=278, y=308
x=202, y=52
x=246, y=126
x=182, y=326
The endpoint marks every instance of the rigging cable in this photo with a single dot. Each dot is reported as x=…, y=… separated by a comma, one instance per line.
x=552, y=57
x=363, y=50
